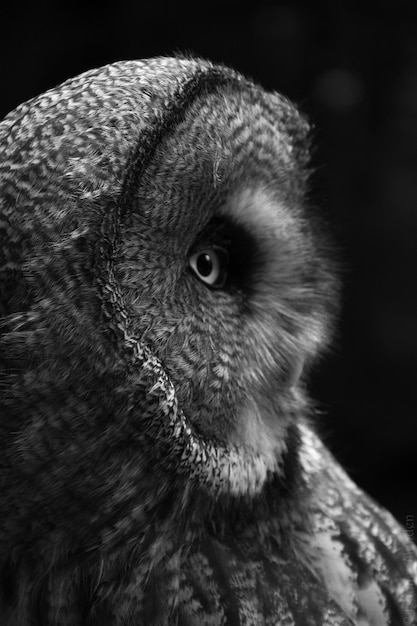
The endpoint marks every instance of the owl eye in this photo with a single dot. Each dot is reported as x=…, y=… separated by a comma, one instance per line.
x=210, y=265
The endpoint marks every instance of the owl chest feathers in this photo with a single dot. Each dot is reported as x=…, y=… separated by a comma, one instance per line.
x=322, y=554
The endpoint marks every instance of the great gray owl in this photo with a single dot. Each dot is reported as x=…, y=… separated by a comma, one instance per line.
x=164, y=290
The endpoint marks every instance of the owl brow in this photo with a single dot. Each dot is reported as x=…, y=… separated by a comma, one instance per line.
x=203, y=81
x=217, y=231
x=224, y=230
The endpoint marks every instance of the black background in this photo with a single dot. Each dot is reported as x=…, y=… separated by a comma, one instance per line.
x=353, y=70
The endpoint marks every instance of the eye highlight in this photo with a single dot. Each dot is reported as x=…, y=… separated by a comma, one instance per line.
x=210, y=265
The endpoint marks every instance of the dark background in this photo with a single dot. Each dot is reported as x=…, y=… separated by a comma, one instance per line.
x=353, y=70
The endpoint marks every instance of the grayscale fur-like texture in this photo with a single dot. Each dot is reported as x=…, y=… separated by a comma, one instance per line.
x=157, y=461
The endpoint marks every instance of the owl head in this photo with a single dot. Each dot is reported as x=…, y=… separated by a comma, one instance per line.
x=164, y=285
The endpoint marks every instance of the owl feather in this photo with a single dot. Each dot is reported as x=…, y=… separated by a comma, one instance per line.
x=165, y=288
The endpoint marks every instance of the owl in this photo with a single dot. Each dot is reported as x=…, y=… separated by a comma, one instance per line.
x=165, y=290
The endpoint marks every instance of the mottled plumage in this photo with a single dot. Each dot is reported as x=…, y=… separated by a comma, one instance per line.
x=164, y=289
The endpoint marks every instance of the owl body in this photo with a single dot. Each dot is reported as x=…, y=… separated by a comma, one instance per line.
x=164, y=290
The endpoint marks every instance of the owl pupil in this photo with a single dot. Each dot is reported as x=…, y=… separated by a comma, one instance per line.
x=204, y=264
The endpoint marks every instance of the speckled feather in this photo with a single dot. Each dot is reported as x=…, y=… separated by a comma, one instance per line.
x=157, y=464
